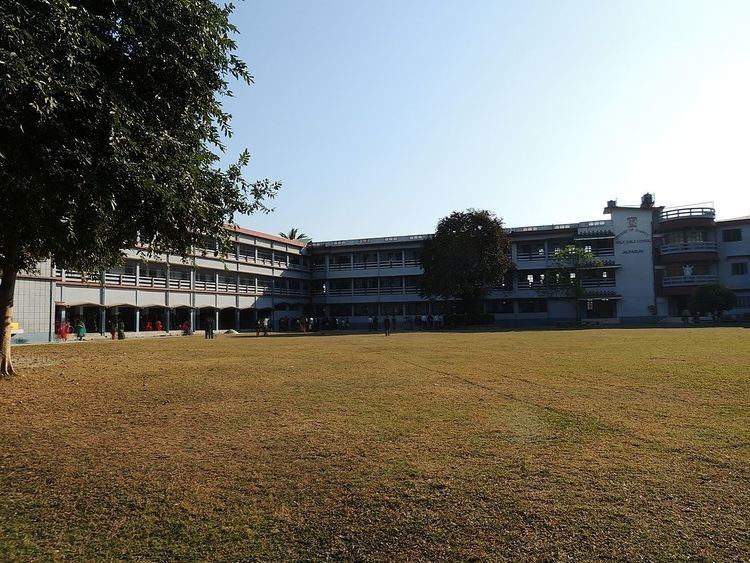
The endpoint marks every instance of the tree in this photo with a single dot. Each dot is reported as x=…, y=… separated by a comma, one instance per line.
x=295, y=234
x=468, y=255
x=111, y=130
x=712, y=298
x=566, y=278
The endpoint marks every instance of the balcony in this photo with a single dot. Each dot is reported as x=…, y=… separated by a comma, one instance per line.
x=683, y=281
x=687, y=247
x=688, y=212
x=686, y=217
x=598, y=282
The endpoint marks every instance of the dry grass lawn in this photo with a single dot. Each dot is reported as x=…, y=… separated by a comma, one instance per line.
x=625, y=444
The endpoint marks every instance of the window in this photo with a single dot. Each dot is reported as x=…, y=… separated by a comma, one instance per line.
x=532, y=306
x=739, y=268
x=500, y=306
x=731, y=235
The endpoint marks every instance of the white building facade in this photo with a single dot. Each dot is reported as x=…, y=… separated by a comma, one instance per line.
x=652, y=259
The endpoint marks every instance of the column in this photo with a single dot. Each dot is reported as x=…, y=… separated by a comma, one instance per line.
x=216, y=319
x=193, y=319
x=137, y=273
x=237, y=320
x=168, y=319
x=102, y=320
x=137, y=319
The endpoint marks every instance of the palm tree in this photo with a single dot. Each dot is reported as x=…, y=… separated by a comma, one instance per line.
x=295, y=234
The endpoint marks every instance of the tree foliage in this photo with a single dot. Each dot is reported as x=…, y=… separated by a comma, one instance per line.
x=111, y=129
x=295, y=234
x=712, y=298
x=468, y=255
x=566, y=276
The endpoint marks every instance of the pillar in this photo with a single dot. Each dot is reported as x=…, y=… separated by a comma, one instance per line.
x=237, y=320
x=137, y=319
x=216, y=319
x=102, y=320
x=168, y=319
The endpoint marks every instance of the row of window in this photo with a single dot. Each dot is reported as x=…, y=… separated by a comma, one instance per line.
x=425, y=308
x=731, y=235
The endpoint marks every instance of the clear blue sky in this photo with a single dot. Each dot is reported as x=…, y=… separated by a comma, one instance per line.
x=381, y=116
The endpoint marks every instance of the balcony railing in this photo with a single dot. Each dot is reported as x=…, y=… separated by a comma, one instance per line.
x=531, y=256
x=202, y=285
x=179, y=283
x=686, y=212
x=603, y=251
x=146, y=281
x=679, y=247
x=679, y=281
x=603, y=282
x=391, y=264
x=120, y=279
x=365, y=291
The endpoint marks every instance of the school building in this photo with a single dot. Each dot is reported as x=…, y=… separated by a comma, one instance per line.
x=652, y=258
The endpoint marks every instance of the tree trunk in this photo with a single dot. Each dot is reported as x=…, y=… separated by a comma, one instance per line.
x=7, y=289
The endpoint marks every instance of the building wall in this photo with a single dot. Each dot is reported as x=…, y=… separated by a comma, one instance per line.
x=266, y=275
x=633, y=230
x=34, y=310
x=735, y=252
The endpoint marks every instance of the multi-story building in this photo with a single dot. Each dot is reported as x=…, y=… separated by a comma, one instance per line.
x=651, y=260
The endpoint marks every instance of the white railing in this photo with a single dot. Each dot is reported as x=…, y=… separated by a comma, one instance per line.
x=531, y=256
x=603, y=251
x=146, y=281
x=119, y=279
x=201, y=285
x=679, y=247
x=337, y=267
x=365, y=265
x=365, y=291
x=603, y=282
x=339, y=292
x=412, y=263
x=391, y=264
x=179, y=283
x=392, y=290
x=685, y=212
x=245, y=288
x=527, y=285
x=677, y=281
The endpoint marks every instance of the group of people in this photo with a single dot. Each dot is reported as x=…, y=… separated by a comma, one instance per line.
x=66, y=328
x=427, y=322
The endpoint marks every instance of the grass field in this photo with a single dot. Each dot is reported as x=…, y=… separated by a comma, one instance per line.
x=627, y=444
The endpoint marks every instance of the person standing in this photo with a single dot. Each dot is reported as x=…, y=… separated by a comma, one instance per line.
x=209, y=329
x=265, y=326
x=369, y=324
x=80, y=329
x=387, y=325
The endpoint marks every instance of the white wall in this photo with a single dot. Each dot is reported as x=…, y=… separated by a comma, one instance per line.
x=634, y=252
